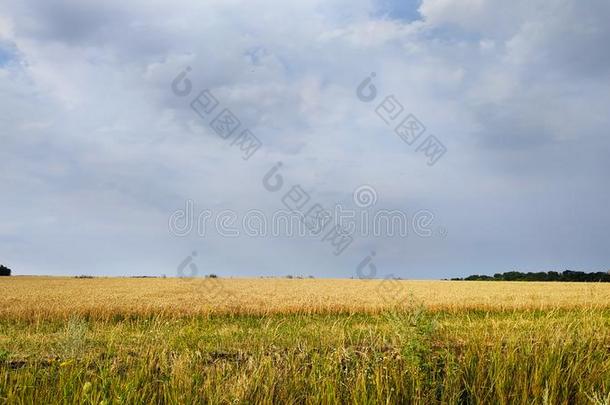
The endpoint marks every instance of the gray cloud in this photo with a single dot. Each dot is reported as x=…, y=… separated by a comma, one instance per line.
x=98, y=152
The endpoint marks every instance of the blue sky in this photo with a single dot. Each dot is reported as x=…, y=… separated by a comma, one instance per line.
x=98, y=153
x=6, y=55
x=405, y=10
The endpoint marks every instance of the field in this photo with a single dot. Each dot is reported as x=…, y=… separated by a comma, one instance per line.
x=109, y=340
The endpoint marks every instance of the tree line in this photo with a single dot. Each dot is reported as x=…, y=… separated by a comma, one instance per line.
x=567, y=275
x=4, y=271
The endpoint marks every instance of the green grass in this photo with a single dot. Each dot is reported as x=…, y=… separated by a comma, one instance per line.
x=473, y=357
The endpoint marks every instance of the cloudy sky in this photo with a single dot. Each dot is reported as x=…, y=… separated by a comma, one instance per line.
x=98, y=151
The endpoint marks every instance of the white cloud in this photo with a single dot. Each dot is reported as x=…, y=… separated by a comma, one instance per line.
x=97, y=151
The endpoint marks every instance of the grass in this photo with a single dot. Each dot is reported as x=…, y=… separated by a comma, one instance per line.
x=457, y=344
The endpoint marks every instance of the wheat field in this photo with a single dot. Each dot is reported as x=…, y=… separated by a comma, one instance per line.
x=51, y=297
x=302, y=341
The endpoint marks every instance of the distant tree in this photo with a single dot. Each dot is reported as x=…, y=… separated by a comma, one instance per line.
x=567, y=275
x=553, y=276
x=477, y=277
x=512, y=276
x=4, y=271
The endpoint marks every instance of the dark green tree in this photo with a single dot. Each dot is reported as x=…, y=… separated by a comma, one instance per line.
x=4, y=271
x=567, y=275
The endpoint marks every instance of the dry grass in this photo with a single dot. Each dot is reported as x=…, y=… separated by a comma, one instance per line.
x=104, y=298
x=115, y=341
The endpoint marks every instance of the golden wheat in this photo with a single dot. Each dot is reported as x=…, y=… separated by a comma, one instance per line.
x=120, y=340
x=50, y=297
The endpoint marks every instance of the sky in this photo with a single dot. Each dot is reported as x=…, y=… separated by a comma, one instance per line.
x=107, y=166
